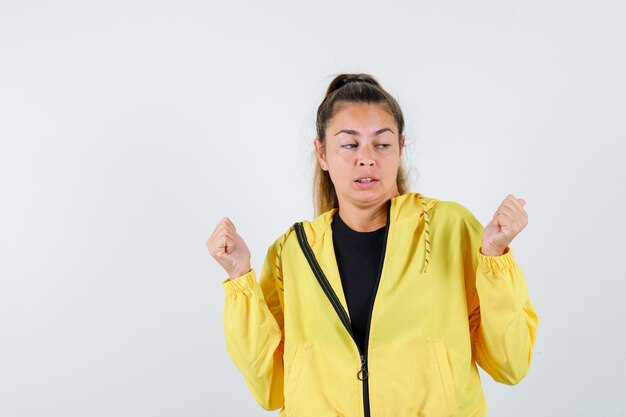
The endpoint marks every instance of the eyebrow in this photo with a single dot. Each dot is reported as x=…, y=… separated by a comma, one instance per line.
x=355, y=133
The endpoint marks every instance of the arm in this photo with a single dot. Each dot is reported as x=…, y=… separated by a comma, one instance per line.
x=253, y=323
x=503, y=321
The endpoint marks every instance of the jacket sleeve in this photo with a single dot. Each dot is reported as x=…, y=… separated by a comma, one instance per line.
x=503, y=321
x=253, y=326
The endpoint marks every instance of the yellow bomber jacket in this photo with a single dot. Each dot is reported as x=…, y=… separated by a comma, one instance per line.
x=440, y=308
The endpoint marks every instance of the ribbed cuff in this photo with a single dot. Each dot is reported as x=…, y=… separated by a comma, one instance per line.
x=240, y=284
x=496, y=263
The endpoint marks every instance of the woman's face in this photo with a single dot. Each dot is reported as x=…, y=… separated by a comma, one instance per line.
x=362, y=153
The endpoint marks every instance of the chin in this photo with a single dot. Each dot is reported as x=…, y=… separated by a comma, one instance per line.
x=368, y=197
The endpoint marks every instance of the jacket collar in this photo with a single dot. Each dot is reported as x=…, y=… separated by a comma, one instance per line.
x=403, y=207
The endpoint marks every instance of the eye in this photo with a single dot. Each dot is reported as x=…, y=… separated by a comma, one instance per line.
x=349, y=146
x=384, y=145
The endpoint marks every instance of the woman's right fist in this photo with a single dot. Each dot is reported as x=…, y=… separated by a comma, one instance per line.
x=229, y=249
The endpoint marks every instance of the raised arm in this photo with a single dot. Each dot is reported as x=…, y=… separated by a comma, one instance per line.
x=503, y=321
x=253, y=319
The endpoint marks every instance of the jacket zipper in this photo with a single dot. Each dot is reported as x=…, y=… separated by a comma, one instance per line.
x=363, y=373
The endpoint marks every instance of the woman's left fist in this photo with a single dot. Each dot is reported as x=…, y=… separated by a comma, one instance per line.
x=510, y=218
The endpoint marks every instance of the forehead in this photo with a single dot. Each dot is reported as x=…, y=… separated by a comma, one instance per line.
x=367, y=115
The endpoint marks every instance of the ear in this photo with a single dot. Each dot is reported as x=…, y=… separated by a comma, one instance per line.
x=321, y=154
x=402, y=139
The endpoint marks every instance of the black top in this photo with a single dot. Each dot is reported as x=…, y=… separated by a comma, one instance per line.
x=358, y=258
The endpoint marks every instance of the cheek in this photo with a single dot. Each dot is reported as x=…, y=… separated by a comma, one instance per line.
x=340, y=162
x=340, y=170
x=391, y=167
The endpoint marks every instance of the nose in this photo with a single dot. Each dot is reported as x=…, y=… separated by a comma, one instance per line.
x=365, y=157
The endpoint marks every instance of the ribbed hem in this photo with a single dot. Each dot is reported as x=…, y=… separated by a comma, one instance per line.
x=496, y=263
x=240, y=284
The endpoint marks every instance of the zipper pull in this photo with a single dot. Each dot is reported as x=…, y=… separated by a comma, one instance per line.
x=362, y=374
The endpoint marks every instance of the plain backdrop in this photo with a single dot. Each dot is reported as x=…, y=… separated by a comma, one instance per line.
x=130, y=128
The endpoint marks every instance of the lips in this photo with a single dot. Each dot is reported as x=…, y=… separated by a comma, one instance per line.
x=365, y=180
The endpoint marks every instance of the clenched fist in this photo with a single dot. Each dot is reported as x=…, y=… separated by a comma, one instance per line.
x=510, y=218
x=229, y=249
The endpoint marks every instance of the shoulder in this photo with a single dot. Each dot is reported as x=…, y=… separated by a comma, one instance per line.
x=452, y=212
x=281, y=240
x=412, y=202
x=313, y=230
x=452, y=209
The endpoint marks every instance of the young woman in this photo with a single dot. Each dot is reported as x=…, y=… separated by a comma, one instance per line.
x=384, y=304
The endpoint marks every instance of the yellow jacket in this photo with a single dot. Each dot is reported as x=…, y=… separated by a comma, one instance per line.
x=440, y=307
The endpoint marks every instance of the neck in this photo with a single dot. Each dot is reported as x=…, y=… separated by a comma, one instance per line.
x=364, y=219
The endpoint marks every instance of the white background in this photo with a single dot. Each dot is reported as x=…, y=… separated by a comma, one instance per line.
x=129, y=129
